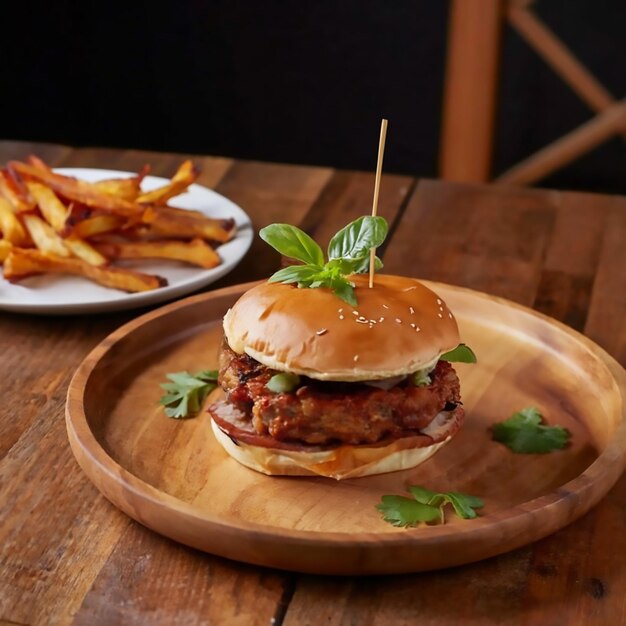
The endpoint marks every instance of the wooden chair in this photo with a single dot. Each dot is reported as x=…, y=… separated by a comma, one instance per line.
x=475, y=31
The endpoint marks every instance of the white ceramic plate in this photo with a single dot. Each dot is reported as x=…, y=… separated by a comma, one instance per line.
x=59, y=294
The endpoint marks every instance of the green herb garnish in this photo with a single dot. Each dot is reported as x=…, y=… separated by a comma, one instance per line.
x=348, y=253
x=283, y=382
x=426, y=507
x=524, y=433
x=420, y=378
x=460, y=354
x=187, y=392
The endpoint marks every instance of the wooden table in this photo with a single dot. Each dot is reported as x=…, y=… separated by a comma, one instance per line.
x=68, y=556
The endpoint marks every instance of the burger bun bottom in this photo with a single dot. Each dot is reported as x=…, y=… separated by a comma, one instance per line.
x=346, y=461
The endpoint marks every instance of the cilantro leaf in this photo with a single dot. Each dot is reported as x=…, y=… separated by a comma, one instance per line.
x=401, y=511
x=460, y=354
x=464, y=505
x=524, y=433
x=426, y=496
x=186, y=392
x=426, y=506
x=292, y=242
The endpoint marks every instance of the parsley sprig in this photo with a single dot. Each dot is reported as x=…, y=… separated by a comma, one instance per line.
x=186, y=392
x=524, y=433
x=426, y=507
x=348, y=253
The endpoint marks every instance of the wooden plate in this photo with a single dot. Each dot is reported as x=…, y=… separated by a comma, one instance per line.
x=173, y=477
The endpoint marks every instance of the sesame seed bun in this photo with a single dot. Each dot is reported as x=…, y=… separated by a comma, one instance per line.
x=399, y=326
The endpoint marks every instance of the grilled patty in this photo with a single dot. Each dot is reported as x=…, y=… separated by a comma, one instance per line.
x=324, y=412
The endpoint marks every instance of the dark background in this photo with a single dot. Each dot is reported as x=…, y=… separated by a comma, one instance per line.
x=291, y=81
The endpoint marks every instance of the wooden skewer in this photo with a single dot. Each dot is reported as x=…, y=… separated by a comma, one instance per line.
x=379, y=169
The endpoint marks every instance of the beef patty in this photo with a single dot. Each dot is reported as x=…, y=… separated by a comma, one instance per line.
x=324, y=412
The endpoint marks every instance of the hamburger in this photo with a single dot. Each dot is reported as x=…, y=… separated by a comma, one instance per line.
x=314, y=385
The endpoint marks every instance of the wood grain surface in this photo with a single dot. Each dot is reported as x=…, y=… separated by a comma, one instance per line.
x=67, y=555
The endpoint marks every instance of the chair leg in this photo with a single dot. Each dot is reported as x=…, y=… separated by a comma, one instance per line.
x=475, y=28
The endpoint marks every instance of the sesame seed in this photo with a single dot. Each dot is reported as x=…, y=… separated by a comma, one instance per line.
x=355, y=313
x=341, y=317
x=412, y=325
x=360, y=318
x=321, y=331
x=439, y=315
x=361, y=321
x=417, y=329
x=450, y=315
x=340, y=310
x=398, y=320
x=355, y=358
x=385, y=306
x=372, y=321
x=438, y=301
x=381, y=319
x=412, y=310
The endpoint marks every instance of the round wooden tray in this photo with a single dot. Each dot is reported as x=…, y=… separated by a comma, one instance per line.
x=174, y=478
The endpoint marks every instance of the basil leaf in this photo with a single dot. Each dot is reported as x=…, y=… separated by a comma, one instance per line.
x=343, y=289
x=358, y=266
x=292, y=242
x=355, y=240
x=283, y=382
x=460, y=354
x=295, y=274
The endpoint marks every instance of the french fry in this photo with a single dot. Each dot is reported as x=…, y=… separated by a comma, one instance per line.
x=84, y=250
x=97, y=225
x=44, y=236
x=125, y=188
x=39, y=163
x=10, y=226
x=184, y=176
x=163, y=220
x=52, y=209
x=15, y=192
x=21, y=263
x=195, y=252
x=5, y=248
x=78, y=190
x=79, y=227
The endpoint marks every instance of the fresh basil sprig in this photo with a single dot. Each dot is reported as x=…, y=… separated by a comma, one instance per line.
x=348, y=253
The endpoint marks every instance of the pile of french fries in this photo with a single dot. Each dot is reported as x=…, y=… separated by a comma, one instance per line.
x=51, y=223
